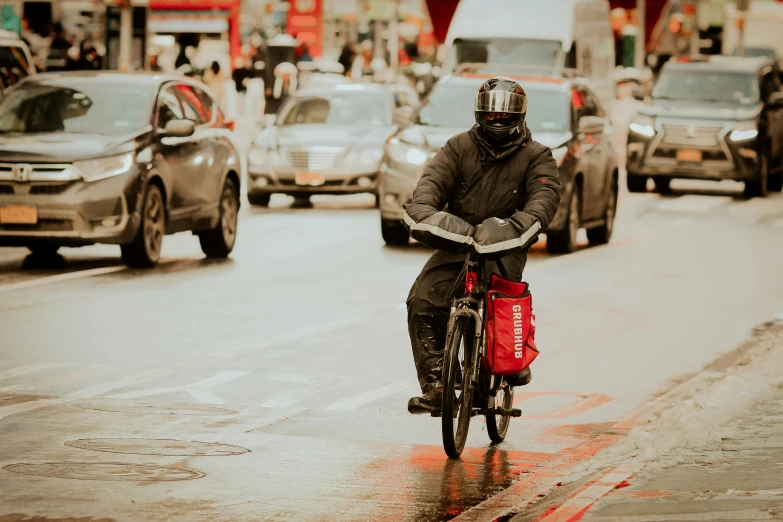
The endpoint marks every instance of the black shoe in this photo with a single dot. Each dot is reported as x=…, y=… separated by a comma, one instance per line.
x=520, y=379
x=430, y=402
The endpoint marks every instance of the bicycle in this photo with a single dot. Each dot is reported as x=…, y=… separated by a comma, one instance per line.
x=463, y=372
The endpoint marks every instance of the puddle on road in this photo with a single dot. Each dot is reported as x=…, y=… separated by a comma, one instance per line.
x=117, y=471
x=123, y=406
x=164, y=447
x=9, y=399
x=20, y=517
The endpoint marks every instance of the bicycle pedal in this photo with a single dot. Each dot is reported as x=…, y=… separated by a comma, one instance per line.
x=516, y=412
x=436, y=414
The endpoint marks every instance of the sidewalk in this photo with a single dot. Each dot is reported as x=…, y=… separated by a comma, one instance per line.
x=738, y=477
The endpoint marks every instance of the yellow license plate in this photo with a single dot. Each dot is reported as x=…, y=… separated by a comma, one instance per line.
x=19, y=215
x=691, y=156
x=311, y=179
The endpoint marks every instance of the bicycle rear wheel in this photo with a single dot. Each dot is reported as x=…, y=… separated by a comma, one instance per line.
x=497, y=425
x=457, y=391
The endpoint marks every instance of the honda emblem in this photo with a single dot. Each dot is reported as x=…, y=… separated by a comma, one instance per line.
x=21, y=172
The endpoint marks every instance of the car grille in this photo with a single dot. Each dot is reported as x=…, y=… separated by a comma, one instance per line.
x=313, y=160
x=43, y=225
x=40, y=172
x=49, y=188
x=6, y=189
x=693, y=135
x=707, y=155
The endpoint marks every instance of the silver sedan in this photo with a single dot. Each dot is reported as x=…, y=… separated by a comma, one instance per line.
x=325, y=140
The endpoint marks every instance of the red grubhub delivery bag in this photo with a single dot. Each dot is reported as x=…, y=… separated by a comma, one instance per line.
x=511, y=327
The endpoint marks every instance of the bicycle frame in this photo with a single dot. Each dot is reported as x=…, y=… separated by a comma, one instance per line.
x=473, y=306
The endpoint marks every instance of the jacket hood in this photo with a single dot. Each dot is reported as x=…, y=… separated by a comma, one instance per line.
x=64, y=146
x=492, y=151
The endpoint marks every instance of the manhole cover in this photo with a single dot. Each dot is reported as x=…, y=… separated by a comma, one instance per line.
x=103, y=471
x=121, y=406
x=166, y=447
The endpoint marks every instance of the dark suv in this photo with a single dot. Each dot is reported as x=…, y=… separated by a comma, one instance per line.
x=713, y=120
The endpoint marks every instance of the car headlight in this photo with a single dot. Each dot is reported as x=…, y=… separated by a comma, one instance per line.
x=101, y=168
x=643, y=125
x=560, y=154
x=400, y=152
x=745, y=130
x=364, y=158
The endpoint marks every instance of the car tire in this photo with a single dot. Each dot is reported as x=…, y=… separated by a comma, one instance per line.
x=219, y=241
x=564, y=241
x=603, y=234
x=259, y=200
x=758, y=188
x=43, y=249
x=663, y=185
x=302, y=202
x=144, y=250
x=394, y=233
x=775, y=182
x=636, y=183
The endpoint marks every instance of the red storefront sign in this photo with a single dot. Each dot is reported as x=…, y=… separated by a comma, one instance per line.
x=305, y=23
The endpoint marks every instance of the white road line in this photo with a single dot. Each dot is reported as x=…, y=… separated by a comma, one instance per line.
x=274, y=418
x=59, y=278
x=692, y=203
x=28, y=368
x=148, y=375
x=351, y=403
x=205, y=396
x=294, y=377
x=202, y=385
x=282, y=402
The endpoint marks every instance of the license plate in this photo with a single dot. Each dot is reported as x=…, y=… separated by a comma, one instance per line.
x=691, y=156
x=19, y=215
x=311, y=179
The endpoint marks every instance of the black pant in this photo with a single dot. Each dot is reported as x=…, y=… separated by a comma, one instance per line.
x=429, y=302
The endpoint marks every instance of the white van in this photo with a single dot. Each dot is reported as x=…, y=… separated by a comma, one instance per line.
x=561, y=37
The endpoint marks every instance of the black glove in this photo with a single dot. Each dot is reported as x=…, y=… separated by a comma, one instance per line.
x=494, y=231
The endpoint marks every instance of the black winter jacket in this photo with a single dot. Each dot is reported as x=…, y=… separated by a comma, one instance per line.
x=462, y=187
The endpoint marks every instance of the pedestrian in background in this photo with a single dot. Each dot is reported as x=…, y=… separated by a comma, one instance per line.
x=285, y=85
x=215, y=80
x=347, y=57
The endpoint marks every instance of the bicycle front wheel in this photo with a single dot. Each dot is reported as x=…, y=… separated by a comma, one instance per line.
x=457, y=390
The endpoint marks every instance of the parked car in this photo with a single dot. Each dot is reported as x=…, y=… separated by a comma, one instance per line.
x=562, y=114
x=115, y=158
x=326, y=140
x=713, y=120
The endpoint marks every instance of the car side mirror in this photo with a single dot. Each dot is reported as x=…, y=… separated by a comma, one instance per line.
x=590, y=125
x=775, y=100
x=178, y=129
x=402, y=115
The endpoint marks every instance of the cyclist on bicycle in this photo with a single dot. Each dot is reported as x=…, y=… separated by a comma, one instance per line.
x=491, y=188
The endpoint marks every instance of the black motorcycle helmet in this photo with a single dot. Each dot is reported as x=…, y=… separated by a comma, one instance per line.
x=501, y=107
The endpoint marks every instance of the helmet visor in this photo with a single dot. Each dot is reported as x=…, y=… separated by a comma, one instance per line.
x=501, y=101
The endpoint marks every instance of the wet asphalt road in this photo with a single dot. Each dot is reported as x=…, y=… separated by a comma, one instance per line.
x=272, y=386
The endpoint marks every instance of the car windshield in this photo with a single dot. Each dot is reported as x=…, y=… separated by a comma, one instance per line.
x=711, y=86
x=452, y=106
x=80, y=107
x=506, y=51
x=339, y=108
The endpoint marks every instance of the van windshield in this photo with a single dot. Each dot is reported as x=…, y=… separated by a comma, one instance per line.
x=506, y=51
